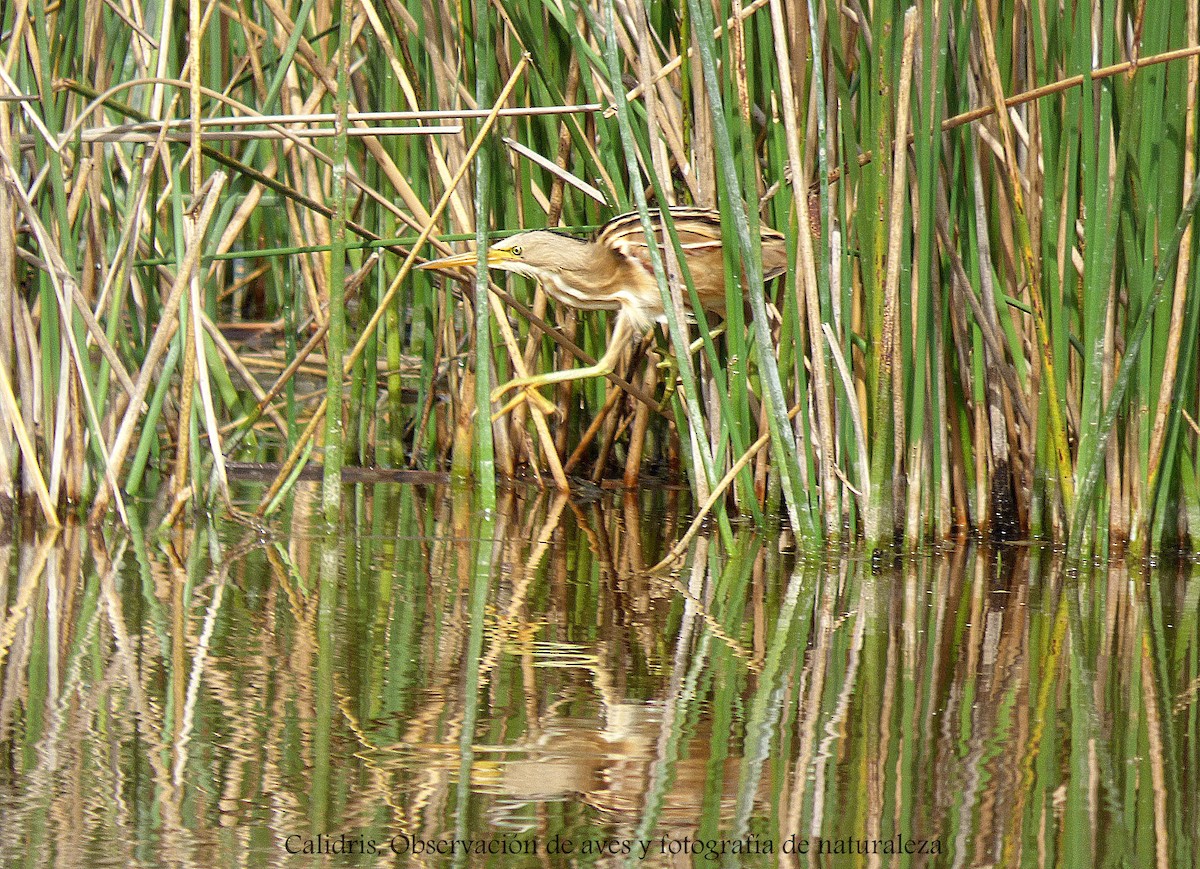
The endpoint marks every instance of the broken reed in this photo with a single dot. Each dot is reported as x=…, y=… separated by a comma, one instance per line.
x=987, y=326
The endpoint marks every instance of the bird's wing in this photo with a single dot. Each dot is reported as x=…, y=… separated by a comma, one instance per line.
x=774, y=253
x=699, y=233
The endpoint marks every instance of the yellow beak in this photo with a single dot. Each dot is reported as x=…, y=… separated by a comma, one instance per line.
x=470, y=258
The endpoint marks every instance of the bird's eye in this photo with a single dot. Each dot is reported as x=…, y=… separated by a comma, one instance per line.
x=516, y=251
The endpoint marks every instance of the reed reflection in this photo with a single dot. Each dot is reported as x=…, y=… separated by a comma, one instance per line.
x=406, y=675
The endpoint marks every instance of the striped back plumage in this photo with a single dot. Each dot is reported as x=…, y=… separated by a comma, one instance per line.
x=700, y=239
x=699, y=233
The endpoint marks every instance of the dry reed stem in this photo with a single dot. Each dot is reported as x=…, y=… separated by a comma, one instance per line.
x=1058, y=433
x=254, y=117
x=559, y=172
x=805, y=284
x=156, y=351
x=863, y=469
x=239, y=367
x=32, y=467
x=397, y=282
x=675, y=62
x=1182, y=269
x=27, y=371
x=181, y=482
x=10, y=354
x=60, y=276
x=607, y=433
x=718, y=491
x=593, y=429
x=539, y=406
x=112, y=136
x=641, y=426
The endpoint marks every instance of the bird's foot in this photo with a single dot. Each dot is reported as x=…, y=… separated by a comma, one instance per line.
x=500, y=391
x=529, y=393
x=669, y=367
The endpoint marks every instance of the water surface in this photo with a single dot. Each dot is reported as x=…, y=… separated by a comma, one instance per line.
x=428, y=686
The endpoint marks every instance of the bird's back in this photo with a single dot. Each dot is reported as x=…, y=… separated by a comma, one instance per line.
x=699, y=233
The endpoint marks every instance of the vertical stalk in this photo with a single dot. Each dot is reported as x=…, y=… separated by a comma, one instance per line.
x=52, y=375
x=705, y=476
x=10, y=332
x=879, y=519
x=928, y=406
x=875, y=120
x=1182, y=271
x=485, y=460
x=805, y=278
x=196, y=341
x=28, y=450
x=335, y=340
x=782, y=441
x=1058, y=429
x=1090, y=475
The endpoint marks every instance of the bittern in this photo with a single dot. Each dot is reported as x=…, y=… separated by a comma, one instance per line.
x=612, y=272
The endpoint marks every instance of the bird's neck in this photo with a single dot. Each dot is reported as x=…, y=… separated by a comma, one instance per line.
x=576, y=255
x=582, y=276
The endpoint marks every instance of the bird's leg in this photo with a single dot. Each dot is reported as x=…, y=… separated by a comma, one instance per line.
x=670, y=365
x=712, y=336
x=622, y=332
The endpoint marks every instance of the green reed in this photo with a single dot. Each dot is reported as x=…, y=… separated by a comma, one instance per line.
x=979, y=330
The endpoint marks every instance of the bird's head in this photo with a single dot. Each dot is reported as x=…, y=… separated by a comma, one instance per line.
x=537, y=253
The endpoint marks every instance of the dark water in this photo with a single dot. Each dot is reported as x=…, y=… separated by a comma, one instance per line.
x=427, y=686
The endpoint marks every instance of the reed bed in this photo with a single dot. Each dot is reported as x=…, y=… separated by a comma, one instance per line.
x=990, y=323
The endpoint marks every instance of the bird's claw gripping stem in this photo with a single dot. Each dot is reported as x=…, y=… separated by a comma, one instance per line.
x=530, y=394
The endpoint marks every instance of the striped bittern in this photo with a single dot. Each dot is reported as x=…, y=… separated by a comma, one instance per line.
x=613, y=272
